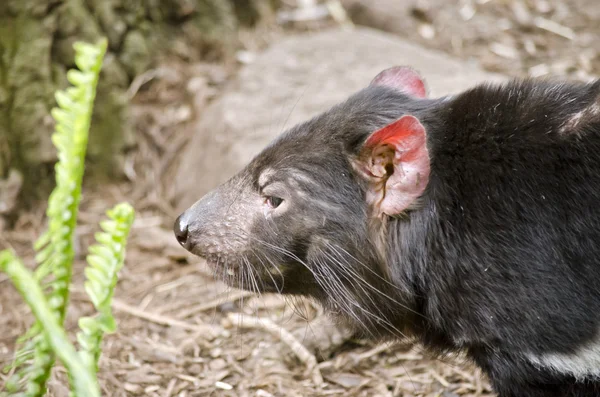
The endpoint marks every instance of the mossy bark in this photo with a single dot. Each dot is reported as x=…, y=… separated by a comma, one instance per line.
x=36, y=38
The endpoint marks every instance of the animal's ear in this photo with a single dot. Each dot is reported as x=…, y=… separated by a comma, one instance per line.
x=402, y=78
x=396, y=165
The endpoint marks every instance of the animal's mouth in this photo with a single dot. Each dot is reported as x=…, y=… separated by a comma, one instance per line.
x=212, y=264
x=245, y=275
x=219, y=265
x=227, y=269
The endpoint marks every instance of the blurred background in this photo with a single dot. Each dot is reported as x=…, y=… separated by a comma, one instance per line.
x=190, y=91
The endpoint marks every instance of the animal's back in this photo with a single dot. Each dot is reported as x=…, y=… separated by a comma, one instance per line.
x=515, y=240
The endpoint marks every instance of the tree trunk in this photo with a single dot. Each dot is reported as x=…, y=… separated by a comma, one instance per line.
x=36, y=38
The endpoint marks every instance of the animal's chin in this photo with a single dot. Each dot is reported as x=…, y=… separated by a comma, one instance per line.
x=213, y=264
x=219, y=264
x=242, y=282
x=230, y=275
x=237, y=275
x=227, y=271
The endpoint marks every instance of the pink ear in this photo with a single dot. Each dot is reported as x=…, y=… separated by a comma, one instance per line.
x=396, y=163
x=402, y=78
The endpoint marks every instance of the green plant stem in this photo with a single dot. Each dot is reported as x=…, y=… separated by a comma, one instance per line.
x=84, y=381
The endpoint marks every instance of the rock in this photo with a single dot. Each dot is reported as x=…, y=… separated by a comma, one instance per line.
x=388, y=15
x=439, y=23
x=292, y=81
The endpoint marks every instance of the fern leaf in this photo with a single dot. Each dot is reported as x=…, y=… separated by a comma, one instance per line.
x=55, y=246
x=73, y=118
x=104, y=263
x=55, y=339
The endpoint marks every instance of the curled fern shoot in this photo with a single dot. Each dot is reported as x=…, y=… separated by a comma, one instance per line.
x=54, y=248
x=104, y=262
x=84, y=381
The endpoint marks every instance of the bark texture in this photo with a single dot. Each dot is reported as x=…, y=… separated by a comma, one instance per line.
x=36, y=38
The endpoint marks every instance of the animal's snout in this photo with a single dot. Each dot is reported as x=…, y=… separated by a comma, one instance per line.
x=181, y=229
x=193, y=227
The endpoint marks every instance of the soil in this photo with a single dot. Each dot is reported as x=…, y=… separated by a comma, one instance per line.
x=177, y=334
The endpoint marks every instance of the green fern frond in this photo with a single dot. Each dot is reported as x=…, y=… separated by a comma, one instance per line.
x=104, y=263
x=73, y=118
x=54, y=248
x=84, y=382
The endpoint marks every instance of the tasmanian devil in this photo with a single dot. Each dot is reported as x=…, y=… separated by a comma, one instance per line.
x=471, y=222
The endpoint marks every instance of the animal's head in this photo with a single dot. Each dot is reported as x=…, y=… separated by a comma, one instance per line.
x=308, y=214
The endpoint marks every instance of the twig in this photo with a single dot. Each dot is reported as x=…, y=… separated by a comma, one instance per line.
x=142, y=79
x=170, y=388
x=306, y=3
x=439, y=378
x=237, y=295
x=554, y=27
x=210, y=330
x=373, y=352
x=297, y=348
x=304, y=13
x=338, y=13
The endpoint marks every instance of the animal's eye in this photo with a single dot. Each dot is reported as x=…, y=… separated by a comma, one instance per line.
x=273, y=201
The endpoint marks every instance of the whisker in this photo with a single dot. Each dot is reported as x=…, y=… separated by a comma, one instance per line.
x=258, y=255
x=349, y=279
x=335, y=248
x=367, y=284
x=278, y=249
x=376, y=307
x=344, y=284
x=293, y=108
x=300, y=310
x=330, y=282
x=252, y=277
x=333, y=284
x=273, y=227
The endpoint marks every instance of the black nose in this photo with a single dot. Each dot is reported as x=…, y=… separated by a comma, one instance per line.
x=181, y=231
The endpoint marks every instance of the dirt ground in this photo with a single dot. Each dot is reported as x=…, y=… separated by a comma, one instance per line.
x=178, y=334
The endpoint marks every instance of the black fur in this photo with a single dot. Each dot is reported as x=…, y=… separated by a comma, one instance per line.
x=499, y=259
